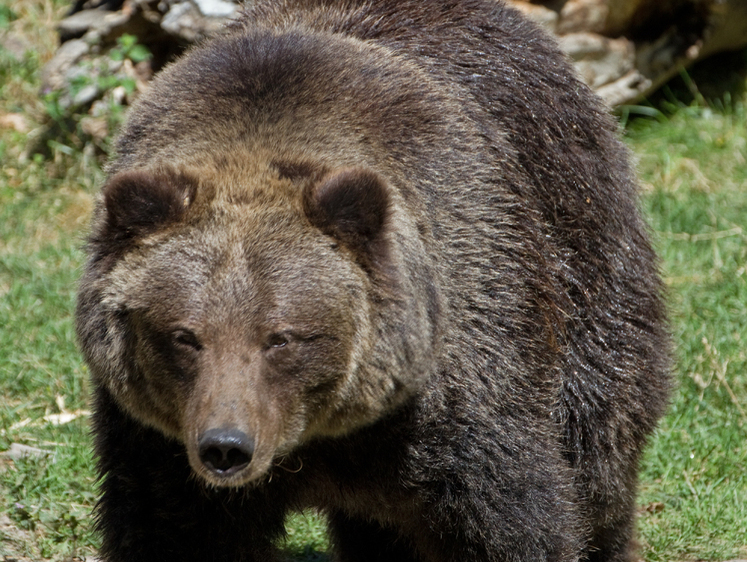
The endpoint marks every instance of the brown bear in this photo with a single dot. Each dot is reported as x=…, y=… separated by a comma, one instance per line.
x=381, y=258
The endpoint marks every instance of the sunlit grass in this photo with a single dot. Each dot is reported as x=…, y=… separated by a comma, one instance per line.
x=694, y=483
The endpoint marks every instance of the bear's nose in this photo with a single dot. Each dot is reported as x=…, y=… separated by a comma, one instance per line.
x=225, y=451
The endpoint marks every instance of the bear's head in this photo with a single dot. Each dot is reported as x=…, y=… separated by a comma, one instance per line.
x=245, y=317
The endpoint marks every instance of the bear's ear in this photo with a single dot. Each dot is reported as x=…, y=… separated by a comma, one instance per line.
x=351, y=205
x=137, y=203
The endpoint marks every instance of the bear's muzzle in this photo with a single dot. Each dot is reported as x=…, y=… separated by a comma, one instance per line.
x=225, y=451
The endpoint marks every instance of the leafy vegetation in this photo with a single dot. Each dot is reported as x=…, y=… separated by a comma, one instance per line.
x=693, y=164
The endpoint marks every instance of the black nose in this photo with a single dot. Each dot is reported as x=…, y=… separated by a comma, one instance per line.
x=225, y=451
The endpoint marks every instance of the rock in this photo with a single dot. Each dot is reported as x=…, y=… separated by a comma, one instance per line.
x=610, y=18
x=605, y=39
x=539, y=14
x=119, y=95
x=178, y=18
x=599, y=60
x=583, y=15
x=18, y=451
x=187, y=20
x=95, y=127
x=580, y=46
x=624, y=90
x=79, y=24
x=86, y=95
x=53, y=73
x=216, y=8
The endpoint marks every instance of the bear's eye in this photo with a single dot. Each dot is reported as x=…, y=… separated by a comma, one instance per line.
x=185, y=338
x=276, y=341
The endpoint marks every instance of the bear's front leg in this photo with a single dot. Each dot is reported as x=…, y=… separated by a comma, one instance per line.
x=503, y=494
x=361, y=540
x=498, y=525
x=154, y=509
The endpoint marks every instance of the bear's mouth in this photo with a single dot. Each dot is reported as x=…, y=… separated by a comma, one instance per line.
x=237, y=475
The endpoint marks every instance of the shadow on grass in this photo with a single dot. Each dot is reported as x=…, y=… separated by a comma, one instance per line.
x=308, y=554
x=715, y=82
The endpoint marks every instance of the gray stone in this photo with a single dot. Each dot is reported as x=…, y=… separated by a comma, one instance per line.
x=77, y=72
x=95, y=127
x=580, y=46
x=86, y=95
x=583, y=15
x=216, y=8
x=98, y=21
x=608, y=17
x=178, y=19
x=79, y=23
x=67, y=55
x=598, y=60
x=539, y=14
x=186, y=21
x=114, y=66
x=625, y=90
x=18, y=451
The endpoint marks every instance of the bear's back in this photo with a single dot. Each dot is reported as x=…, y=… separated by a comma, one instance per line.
x=542, y=217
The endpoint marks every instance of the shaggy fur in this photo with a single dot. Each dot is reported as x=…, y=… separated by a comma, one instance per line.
x=381, y=258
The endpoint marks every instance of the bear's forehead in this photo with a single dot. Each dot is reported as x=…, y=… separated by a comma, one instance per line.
x=220, y=291
x=238, y=254
x=247, y=248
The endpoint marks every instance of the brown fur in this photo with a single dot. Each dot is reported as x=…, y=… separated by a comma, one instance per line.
x=389, y=255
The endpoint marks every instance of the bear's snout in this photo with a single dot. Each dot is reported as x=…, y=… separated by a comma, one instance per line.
x=225, y=451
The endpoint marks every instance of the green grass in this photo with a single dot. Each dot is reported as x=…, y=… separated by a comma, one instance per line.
x=694, y=482
x=45, y=503
x=692, y=161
